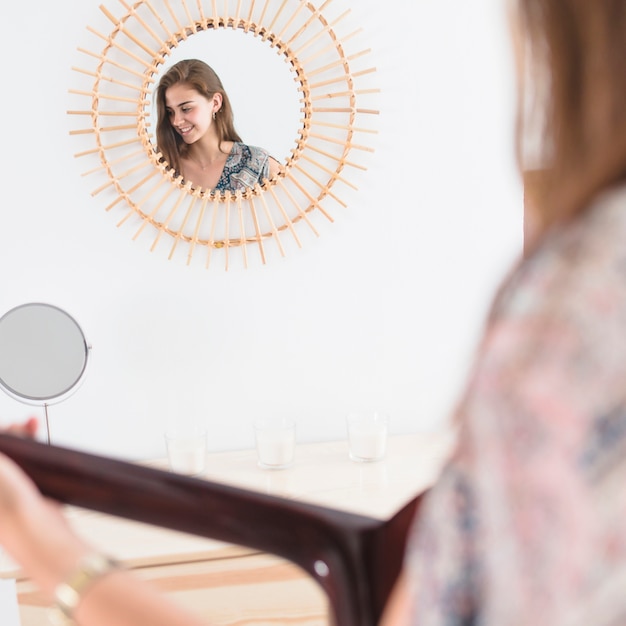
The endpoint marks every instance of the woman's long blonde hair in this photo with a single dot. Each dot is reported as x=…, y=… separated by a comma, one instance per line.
x=573, y=54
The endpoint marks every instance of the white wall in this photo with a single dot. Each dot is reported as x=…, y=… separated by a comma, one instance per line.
x=382, y=309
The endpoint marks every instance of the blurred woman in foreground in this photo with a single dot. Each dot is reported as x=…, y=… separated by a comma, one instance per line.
x=526, y=524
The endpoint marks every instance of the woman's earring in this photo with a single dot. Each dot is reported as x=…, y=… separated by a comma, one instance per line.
x=213, y=114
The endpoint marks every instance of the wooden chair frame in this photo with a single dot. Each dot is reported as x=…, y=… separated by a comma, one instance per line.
x=356, y=559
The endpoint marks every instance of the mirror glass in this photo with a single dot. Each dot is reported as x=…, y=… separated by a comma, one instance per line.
x=260, y=89
x=43, y=353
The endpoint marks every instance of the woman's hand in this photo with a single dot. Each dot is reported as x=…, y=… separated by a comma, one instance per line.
x=35, y=533
x=24, y=429
x=32, y=528
x=16, y=489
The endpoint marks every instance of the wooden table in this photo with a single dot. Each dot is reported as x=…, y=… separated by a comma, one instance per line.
x=233, y=585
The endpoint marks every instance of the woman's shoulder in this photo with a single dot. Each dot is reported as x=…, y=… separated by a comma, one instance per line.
x=252, y=157
x=586, y=252
x=253, y=152
x=245, y=166
x=597, y=235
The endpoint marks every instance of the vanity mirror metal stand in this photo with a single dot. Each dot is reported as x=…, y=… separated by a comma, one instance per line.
x=43, y=355
x=327, y=128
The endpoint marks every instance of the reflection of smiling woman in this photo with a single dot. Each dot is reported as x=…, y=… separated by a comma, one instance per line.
x=197, y=136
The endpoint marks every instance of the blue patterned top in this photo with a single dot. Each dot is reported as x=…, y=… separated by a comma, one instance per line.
x=245, y=167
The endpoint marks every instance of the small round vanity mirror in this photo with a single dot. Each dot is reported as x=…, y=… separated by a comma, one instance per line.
x=43, y=354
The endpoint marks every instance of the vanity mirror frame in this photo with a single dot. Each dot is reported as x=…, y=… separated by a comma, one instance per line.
x=44, y=355
x=146, y=190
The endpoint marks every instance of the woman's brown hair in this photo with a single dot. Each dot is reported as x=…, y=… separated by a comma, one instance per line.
x=201, y=77
x=574, y=100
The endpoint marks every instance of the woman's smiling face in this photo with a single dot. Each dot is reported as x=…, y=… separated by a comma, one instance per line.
x=190, y=113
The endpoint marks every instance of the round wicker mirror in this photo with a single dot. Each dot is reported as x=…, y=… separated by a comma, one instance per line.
x=194, y=222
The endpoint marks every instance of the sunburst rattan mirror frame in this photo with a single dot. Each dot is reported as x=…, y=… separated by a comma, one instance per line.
x=146, y=189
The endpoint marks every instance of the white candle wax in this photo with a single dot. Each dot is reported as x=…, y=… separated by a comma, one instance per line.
x=186, y=455
x=275, y=446
x=367, y=441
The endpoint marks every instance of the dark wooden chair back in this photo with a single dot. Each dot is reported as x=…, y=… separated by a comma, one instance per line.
x=356, y=559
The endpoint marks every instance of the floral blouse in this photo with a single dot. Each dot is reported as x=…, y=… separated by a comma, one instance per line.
x=245, y=167
x=527, y=524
